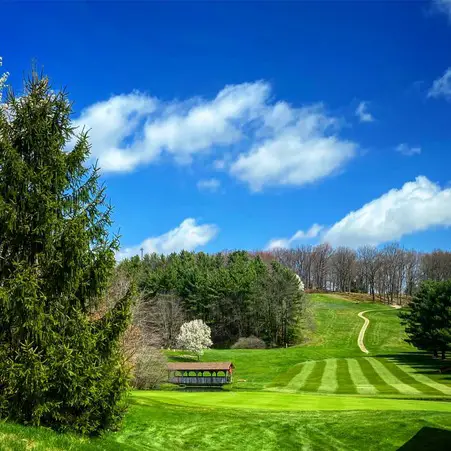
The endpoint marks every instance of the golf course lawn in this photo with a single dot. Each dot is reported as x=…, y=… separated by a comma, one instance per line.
x=324, y=394
x=254, y=421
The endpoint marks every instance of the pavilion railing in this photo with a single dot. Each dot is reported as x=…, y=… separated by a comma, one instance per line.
x=199, y=378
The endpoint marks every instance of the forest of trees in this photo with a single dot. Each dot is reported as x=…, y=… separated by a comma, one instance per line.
x=241, y=294
x=236, y=294
x=388, y=273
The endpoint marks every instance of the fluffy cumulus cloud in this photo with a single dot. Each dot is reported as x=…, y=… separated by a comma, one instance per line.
x=363, y=114
x=442, y=86
x=444, y=6
x=129, y=130
x=417, y=206
x=298, y=146
x=257, y=140
x=209, y=184
x=285, y=243
x=407, y=150
x=187, y=236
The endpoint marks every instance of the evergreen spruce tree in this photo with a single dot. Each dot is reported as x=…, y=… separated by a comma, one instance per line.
x=428, y=317
x=60, y=366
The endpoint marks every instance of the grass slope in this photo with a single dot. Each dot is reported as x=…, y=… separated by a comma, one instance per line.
x=335, y=336
x=392, y=369
x=253, y=421
x=323, y=395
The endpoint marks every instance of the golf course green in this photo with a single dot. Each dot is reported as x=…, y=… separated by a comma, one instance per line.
x=324, y=394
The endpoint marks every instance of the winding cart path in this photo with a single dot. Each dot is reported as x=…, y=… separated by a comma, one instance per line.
x=361, y=336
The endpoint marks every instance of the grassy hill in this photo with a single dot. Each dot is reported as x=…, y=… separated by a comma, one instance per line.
x=330, y=361
x=324, y=394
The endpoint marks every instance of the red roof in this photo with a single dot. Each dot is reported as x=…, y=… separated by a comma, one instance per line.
x=200, y=366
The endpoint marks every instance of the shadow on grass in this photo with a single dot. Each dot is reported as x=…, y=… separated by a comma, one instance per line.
x=428, y=438
x=423, y=363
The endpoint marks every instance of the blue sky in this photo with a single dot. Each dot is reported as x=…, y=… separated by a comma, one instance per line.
x=250, y=125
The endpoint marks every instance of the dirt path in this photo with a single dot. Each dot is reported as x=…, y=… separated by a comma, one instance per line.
x=362, y=331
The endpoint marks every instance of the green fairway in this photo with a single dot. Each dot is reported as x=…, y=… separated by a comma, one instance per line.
x=363, y=375
x=335, y=336
x=286, y=401
x=325, y=394
x=253, y=421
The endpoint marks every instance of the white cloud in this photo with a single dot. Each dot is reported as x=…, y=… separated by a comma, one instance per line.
x=300, y=148
x=363, y=114
x=408, y=151
x=133, y=129
x=444, y=6
x=209, y=184
x=255, y=139
x=284, y=243
x=417, y=206
x=442, y=86
x=187, y=236
x=111, y=123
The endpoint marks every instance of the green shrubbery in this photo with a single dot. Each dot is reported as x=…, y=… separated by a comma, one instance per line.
x=60, y=366
x=249, y=343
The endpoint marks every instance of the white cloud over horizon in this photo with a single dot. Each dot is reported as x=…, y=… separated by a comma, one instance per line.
x=363, y=114
x=187, y=236
x=257, y=140
x=407, y=150
x=417, y=206
x=442, y=86
x=285, y=243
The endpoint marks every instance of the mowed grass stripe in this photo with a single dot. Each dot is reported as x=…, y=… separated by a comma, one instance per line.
x=298, y=381
x=391, y=379
x=361, y=383
x=408, y=379
x=329, y=382
x=314, y=380
x=373, y=378
x=425, y=380
x=345, y=381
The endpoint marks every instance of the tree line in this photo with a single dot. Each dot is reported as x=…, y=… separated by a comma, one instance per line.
x=237, y=294
x=388, y=273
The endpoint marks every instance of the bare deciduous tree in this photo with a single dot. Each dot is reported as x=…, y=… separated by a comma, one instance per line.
x=159, y=319
x=389, y=272
x=343, y=268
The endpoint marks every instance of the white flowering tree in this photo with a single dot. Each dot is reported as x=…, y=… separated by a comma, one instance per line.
x=3, y=78
x=300, y=283
x=194, y=336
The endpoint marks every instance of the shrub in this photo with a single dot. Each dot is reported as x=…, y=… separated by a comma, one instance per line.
x=249, y=343
x=150, y=370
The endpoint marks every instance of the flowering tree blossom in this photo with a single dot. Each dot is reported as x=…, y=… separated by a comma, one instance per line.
x=3, y=79
x=194, y=336
x=300, y=282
